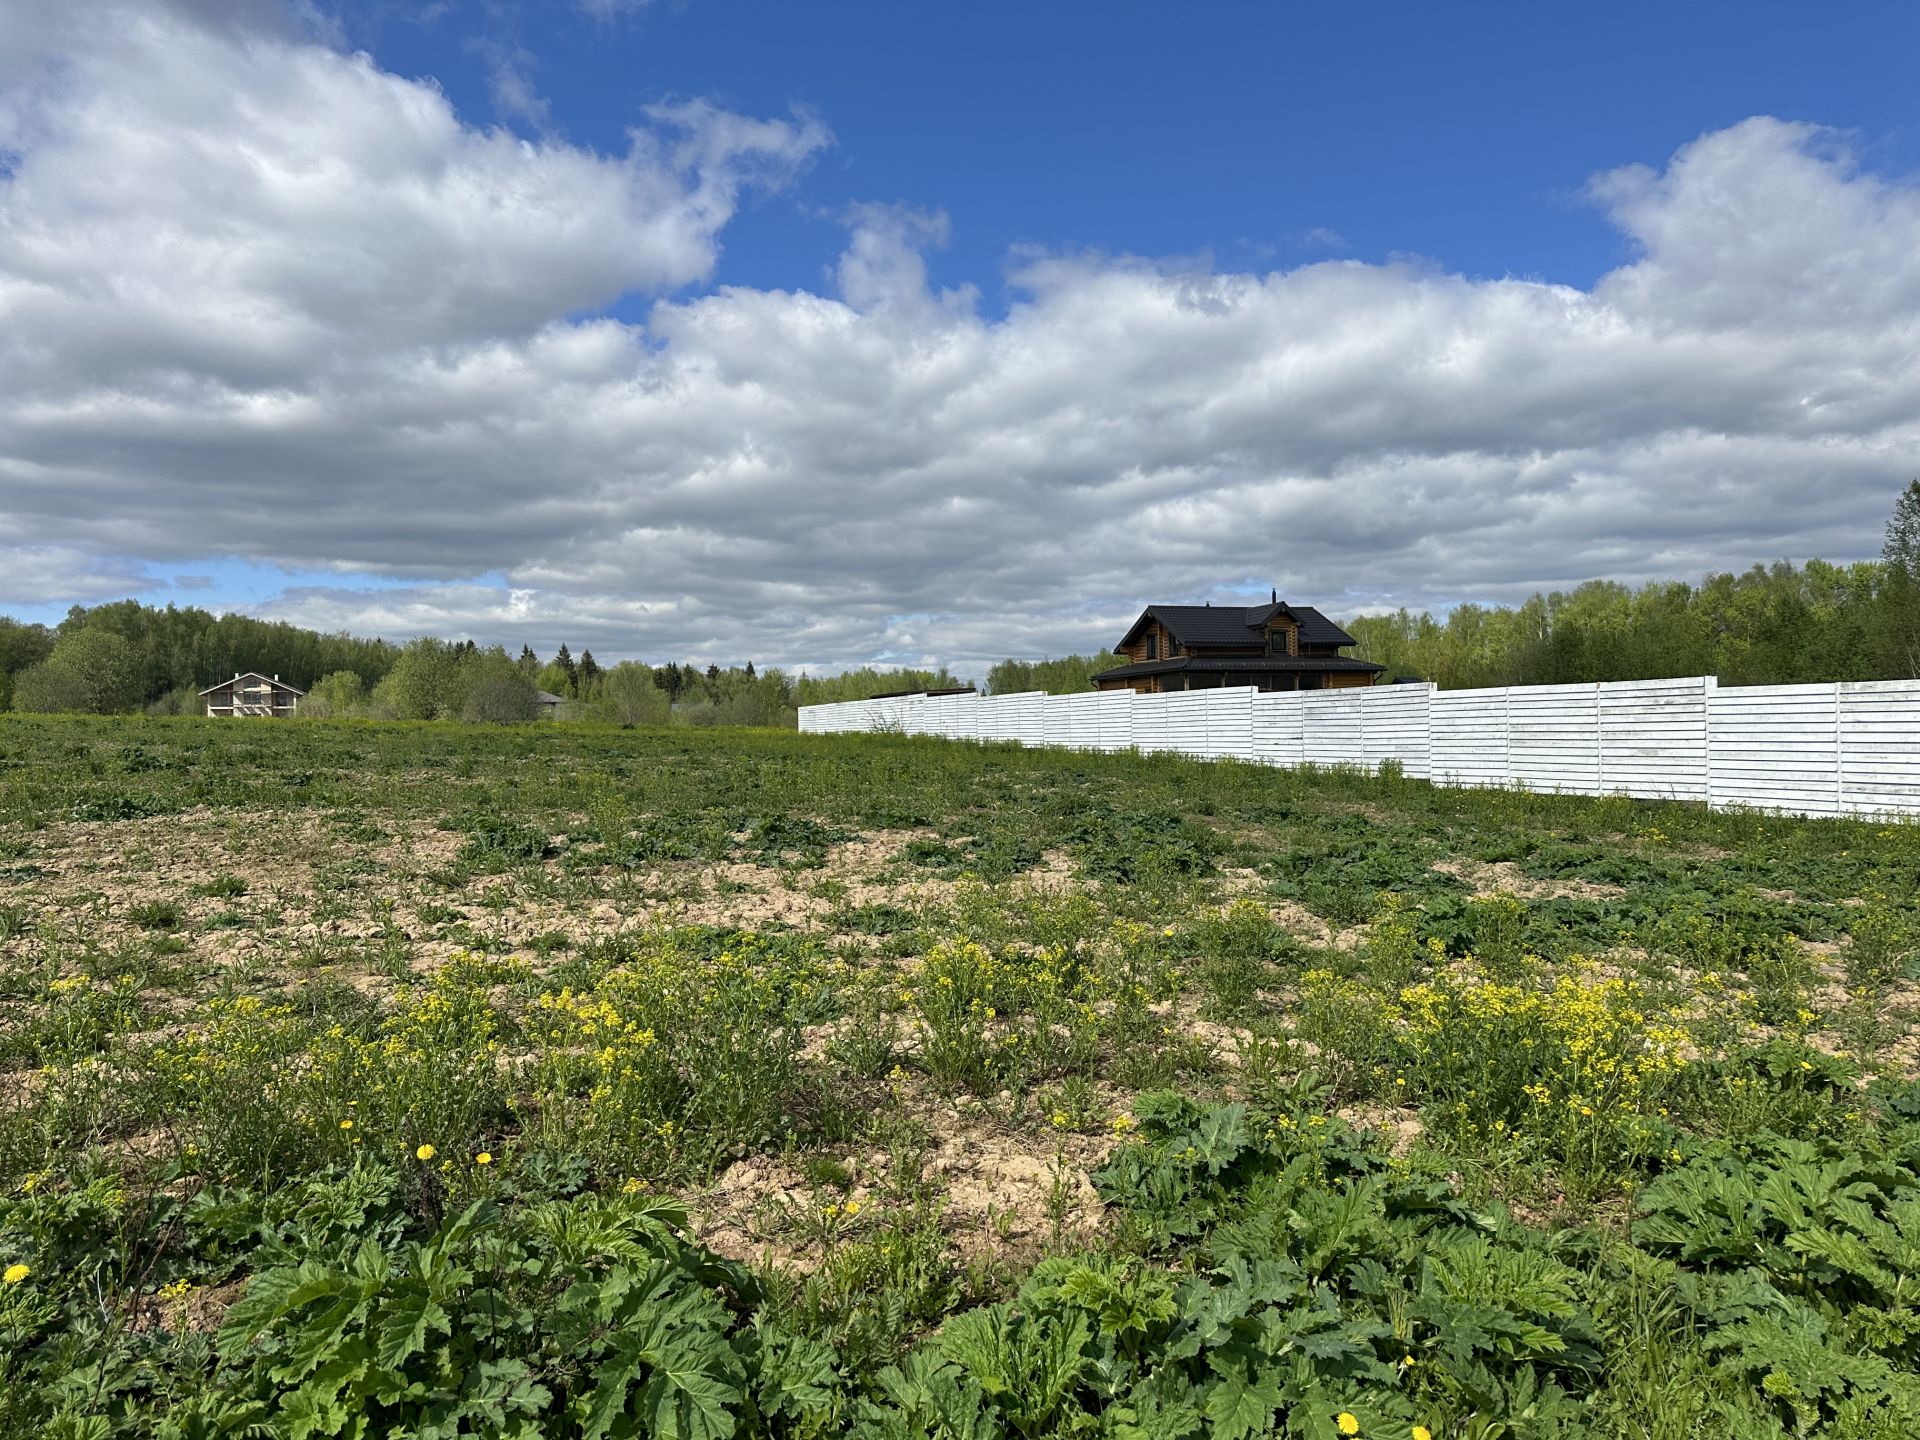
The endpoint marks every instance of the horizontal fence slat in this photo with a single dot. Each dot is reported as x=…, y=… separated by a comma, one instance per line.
x=1850, y=748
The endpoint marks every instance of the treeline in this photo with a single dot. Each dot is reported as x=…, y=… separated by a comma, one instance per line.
x=1066, y=676
x=113, y=659
x=127, y=656
x=440, y=680
x=865, y=683
x=1778, y=624
x=1774, y=625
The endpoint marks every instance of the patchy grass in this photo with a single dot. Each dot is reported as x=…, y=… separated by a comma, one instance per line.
x=906, y=1088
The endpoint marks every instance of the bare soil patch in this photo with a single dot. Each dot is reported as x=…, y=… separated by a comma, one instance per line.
x=1502, y=877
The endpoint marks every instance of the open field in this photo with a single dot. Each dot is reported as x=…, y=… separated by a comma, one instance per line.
x=364, y=1079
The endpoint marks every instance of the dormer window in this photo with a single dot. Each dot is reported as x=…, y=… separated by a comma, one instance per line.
x=1153, y=647
x=1277, y=641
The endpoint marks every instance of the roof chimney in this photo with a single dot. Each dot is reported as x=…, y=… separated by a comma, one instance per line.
x=276, y=679
x=1276, y=596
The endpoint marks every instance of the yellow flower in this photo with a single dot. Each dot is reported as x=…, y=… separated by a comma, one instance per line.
x=1348, y=1425
x=16, y=1273
x=1420, y=1432
x=425, y=1152
x=346, y=1124
x=853, y=1208
x=483, y=1158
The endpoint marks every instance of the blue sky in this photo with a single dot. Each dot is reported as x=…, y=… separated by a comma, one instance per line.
x=1257, y=133
x=817, y=334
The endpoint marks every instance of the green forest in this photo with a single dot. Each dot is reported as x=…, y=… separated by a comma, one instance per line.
x=1774, y=624
x=1778, y=624
x=126, y=657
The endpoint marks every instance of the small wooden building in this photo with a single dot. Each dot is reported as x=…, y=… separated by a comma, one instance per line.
x=1275, y=646
x=252, y=694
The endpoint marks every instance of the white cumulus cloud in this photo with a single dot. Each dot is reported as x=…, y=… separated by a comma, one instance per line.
x=261, y=298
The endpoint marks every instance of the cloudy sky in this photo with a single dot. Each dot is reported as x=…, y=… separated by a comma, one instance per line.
x=737, y=329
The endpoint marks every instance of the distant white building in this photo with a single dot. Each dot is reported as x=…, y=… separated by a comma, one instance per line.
x=252, y=694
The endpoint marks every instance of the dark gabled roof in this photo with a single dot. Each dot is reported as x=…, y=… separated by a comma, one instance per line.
x=1237, y=624
x=1246, y=665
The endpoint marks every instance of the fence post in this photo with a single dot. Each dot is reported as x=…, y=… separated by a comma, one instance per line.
x=1839, y=757
x=1506, y=737
x=1599, y=739
x=1708, y=684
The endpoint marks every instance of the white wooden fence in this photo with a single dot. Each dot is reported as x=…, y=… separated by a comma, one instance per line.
x=1843, y=749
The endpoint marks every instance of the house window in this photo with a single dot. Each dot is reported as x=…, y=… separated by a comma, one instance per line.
x=1153, y=647
x=1277, y=642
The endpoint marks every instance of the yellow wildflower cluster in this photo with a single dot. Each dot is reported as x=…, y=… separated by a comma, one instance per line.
x=1583, y=1048
x=969, y=974
x=241, y=1039
x=603, y=1046
x=257, y=1074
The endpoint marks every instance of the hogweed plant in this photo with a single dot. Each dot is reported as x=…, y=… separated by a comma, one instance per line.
x=568, y=1081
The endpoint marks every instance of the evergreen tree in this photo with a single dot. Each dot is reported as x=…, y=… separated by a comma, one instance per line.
x=1902, y=550
x=589, y=673
x=565, y=661
x=1895, y=630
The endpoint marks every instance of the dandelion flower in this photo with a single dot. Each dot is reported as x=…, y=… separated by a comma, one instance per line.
x=16, y=1273
x=425, y=1152
x=1347, y=1423
x=483, y=1158
x=346, y=1124
x=1420, y=1432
